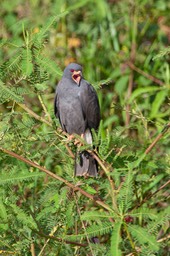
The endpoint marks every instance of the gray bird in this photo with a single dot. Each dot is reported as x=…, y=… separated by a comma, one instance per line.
x=77, y=107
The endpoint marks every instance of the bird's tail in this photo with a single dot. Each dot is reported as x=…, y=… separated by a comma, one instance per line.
x=85, y=164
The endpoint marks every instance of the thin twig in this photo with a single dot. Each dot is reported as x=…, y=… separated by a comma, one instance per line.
x=151, y=195
x=54, y=176
x=59, y=239
x=163, y=239
x=107, y=172
x=58, y=132
x=33, y=114
x=165, y=129
x=44, y=108
x=47, y=241
x=150, y=77
x=78, y=209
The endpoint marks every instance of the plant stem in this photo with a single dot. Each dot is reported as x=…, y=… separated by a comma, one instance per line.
x=130, y=240
x=32, y=249
x=165, y=129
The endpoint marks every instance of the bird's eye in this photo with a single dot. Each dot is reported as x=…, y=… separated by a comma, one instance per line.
x=72, y=70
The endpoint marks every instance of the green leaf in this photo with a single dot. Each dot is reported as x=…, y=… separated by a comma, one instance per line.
x=159, y=99
x=3, y=212
x=126, y=194
x=26, y=62
x=23, y=217
x=77, y=5
x=93, y=230
x=13, y=178
x=116, y=239
x=144, y=213
x=121, y=84
x=136, y=163
x=50, y=22
x=50, y=66
x=140, y=91
x=94, y=215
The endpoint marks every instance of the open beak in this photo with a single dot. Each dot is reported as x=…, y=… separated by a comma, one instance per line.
x=76, y=76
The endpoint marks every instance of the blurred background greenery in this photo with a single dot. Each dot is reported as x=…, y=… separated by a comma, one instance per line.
x=123, y=46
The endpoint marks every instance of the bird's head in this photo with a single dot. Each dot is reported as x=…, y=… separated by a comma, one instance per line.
x=73, y=71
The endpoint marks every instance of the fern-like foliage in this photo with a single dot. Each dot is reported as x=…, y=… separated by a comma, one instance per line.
x=7, y=93
x=160, y=221
x=96, y=215
x=11, y=67
x=146, y=239
x=93, y=230
x=23, y=218
x=12, y=178
x=126, y=195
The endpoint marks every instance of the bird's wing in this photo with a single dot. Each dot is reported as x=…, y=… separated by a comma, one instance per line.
x=56, y=105
x=90, y=105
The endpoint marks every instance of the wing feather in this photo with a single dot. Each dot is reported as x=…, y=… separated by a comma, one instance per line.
x=90, y=105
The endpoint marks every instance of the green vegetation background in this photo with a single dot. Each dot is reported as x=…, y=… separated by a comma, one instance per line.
x=123, y=47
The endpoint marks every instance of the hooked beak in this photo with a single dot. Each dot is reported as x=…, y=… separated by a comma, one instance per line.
x=76, y=76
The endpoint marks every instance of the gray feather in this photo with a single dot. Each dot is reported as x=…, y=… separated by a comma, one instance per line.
x=77, y=108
